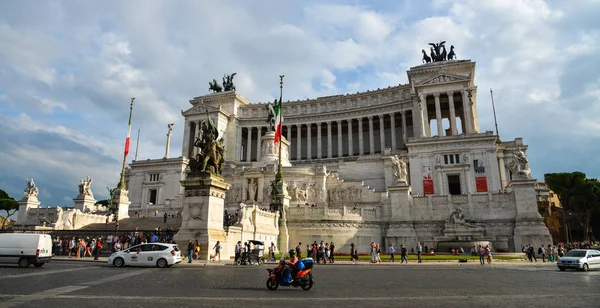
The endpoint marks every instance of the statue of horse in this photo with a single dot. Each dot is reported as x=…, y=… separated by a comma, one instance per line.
x=214, y=86
x=451, y=55
x=426, y=58
x=443, y=55
x=228, y=84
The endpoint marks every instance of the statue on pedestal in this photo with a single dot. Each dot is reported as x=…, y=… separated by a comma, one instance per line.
x=399, y=166
x=31, y=190
x=438, y=53
x=458, y=218
x=211, y=149
x=519, y=165
x=85, y=188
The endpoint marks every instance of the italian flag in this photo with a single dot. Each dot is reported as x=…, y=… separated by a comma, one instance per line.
x=128, y=135
x=278, y=122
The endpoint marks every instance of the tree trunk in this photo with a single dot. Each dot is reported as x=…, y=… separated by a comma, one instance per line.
x=588, y=217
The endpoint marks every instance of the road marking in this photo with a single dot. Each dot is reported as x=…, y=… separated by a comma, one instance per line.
x=40, y=295
x=53, y=293
x=44, y=273
x=369, y=299
x=116, y=277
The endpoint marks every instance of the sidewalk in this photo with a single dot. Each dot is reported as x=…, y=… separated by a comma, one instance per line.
x=195, y=263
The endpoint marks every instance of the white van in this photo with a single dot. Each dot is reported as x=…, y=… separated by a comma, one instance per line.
x=25, y=249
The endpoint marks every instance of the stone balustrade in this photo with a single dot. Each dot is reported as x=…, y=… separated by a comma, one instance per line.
x=344, y=213
x=475, y=206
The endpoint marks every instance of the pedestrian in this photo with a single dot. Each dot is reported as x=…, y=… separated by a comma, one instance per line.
x=488, y=252
x=378, y=249
x=155, y=213
x=403, y=253
x=272, y=249
x=353, y=254
x=298, y=251
x=419, y=251
x=373, y=253
x=190, y=250
x=238, y=251
x=331, y=251
x=550, y=253
x=392, y=251
x=481, y=252
x=98, y=249
x=542, y=252
x=217, y=249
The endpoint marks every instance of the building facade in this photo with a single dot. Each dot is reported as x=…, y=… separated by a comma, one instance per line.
x=338, y=158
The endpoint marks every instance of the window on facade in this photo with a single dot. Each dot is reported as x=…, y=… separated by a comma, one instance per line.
x=154, y=177
x=451, y=159
x=152, y=196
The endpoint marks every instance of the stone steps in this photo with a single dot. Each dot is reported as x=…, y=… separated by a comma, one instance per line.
x=146, y=223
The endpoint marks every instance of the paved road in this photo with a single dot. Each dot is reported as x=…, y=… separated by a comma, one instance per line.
x=85, y=284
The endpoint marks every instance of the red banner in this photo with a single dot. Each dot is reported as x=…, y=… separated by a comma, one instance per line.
x=428, y=187
x=481, y=183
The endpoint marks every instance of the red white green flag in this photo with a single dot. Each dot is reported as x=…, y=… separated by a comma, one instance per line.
x=278, y=121
x=128, y=130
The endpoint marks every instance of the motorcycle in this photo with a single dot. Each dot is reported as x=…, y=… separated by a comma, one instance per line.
x=303, y=278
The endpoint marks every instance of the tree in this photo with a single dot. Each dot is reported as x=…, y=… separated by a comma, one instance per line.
x=8, y=204
x=566, y=185
x=587, y=202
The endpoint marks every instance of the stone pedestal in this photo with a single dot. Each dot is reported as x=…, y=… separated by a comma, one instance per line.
x=86, y=204
x=121, y=199
x=529, y=224
x=400, y=201
x=401, y=230
x=25, y=205
x=269, y=151
x=203, y=208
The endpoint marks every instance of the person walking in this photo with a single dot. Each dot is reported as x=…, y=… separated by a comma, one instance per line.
x=238, y=251
x=217, y=249
x=403, y=252
x=272, y=249
x=488, y=252
x=542, y=252
x=98, y=248
x=481, y=252
x=165, y=218
x=419, y=251
x=353, y=254
x=331, y=251
x=391, y=251
x=190, y=250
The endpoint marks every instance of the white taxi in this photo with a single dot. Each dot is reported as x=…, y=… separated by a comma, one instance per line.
x=149, y=254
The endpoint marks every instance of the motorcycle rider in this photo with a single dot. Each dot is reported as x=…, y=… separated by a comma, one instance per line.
x=290, y=269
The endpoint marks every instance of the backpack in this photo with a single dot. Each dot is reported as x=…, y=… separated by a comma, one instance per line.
x=540, y=250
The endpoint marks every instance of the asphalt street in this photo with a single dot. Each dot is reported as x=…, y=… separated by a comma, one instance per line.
x=86, y=284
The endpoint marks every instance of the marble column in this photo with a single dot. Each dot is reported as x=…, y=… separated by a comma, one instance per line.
x=258, y=147
x=393, y=129
x=502, y=171
x=440, y=181
x=238, y=144
x=382, y=133
x=289, y=134
x=350, y=141
x=371, y=136
x=361, y=143
x=308, y=141
x=466, y=113
x=329, y=147
x=452, y=113
x=438, y=115
x=249, y=144
x=299, y=141
x=426, y=132
x=319, y=141
x=340, y=149
x=404, y=136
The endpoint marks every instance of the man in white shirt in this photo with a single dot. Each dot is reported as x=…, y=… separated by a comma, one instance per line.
x=392, y=251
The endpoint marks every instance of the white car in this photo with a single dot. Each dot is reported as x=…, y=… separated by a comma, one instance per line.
x=149, y=254
x=579, y=259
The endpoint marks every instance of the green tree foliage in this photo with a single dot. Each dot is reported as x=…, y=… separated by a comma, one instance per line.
x=576, y=194
x=8, y=204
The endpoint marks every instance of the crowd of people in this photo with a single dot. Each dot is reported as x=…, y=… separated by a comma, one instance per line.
x=82, y=246
x=552, y=253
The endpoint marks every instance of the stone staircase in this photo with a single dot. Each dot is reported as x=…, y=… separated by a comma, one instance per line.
x=145, y=223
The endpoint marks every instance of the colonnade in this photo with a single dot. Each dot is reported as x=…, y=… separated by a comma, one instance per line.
x=335, y=138
x=444, y=107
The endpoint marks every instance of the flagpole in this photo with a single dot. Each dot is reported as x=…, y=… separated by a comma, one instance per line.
x=279, y=175
x=122, y=182
x=495, y=120
x=137, y=144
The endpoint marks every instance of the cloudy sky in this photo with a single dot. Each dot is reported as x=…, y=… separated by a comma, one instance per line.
x=68, y=70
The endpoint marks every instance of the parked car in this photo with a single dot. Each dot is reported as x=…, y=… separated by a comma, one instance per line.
x=25, y=249
x=579, y=259
x=150, y=254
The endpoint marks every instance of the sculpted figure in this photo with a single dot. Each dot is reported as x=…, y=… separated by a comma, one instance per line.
x=31, y=190
x=426, y=58
x=211, y=149
x=271, y=115
x=252, y=186
x=292, y=191
x=458, y=218
x=519, y=165
x=399, y=166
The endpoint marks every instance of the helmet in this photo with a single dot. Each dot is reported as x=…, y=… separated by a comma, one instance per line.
x=292, y=252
